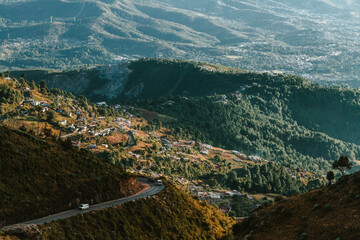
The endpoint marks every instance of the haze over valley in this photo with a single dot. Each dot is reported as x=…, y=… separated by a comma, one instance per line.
x=318, y=39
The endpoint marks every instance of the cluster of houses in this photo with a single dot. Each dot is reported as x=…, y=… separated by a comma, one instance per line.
x=208, y=68
x=122, y=122
x=241, y=157
x=138, y=156
x=204, y=148
x=223, y=99
x=44, y=105
x=212, y=196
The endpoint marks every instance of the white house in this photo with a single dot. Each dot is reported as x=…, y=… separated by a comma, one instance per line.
x=101, y=104
x=63, y=123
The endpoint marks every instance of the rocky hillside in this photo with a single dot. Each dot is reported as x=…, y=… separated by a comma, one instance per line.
x=331, y=212
x=41, y=177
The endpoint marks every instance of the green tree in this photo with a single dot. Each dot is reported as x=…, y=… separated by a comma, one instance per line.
x=43, y=84
x=22, y=82
x=342, y=164
x=50, y=116
x=32, y=85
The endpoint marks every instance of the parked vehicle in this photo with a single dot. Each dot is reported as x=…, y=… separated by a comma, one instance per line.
x=83, y=206
x=159, y=183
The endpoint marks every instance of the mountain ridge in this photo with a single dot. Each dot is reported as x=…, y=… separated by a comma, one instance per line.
x=313, y=39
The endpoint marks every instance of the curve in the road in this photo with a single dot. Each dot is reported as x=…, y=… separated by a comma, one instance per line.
x=149, y=192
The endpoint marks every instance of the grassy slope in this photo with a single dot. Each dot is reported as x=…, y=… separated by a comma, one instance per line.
x=170, y=214
x=43, y=177
x=335, y=217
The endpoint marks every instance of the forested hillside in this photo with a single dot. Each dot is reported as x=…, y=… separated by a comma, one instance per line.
x=281, y=117
x=275, y=116
x=41, y=177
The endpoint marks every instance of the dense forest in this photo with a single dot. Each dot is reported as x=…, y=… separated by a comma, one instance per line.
x=279, y=117
x=269, y=178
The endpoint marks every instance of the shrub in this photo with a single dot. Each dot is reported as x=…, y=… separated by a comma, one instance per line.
x=249, y=237
x=267, y=203
x=303, y=236
x=278, y=198
x=316, y=206
x=327, y=207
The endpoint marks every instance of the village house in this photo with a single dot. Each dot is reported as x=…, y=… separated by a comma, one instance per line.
x=82, y=127
x=206, y=146
x=66, y=113
x=35, y=103
x=44, y=104
x=92, y=146
x=101, y=104
x=215, y=197
x=122, y=122
x=63, y=123
x=237, y=160
x=76, y=144
x=204, y=151
x=254, y=158
x=72, y=127
x=223, y=99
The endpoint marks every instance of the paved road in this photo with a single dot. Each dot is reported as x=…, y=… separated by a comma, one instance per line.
x=152, y=191
x=132, y=140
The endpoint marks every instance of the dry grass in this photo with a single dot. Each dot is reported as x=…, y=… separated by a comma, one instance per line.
x=117, y=138
x=326, y=213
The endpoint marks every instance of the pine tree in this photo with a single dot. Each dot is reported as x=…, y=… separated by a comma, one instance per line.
x=330, y=176
x=342, y=164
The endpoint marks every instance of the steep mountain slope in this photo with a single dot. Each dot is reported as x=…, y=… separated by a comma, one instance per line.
x=330, y=212
x=41, y=177
x=313, y=38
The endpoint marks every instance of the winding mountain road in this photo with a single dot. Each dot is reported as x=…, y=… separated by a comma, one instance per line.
x=132, y=140
x=154, y=189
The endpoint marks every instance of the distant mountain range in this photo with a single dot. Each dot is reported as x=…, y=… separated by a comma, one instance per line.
x=314, y=38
